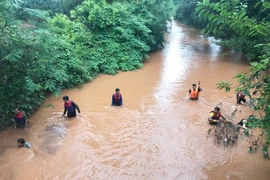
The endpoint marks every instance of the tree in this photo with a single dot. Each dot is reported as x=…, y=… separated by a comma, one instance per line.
x=229, y=21
x=54, y=6
x=185, y=12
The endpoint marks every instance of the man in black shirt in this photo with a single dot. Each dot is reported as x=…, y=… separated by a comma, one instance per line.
x=70, y=107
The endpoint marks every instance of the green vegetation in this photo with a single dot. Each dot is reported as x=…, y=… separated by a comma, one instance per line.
x=236, y=25
x=44, y=48
x=185, y=12
x=52, y=6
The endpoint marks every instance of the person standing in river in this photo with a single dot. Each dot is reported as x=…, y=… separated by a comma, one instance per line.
x=19, y=119
x=70, y=107
x=117, y=98
x=194, y=91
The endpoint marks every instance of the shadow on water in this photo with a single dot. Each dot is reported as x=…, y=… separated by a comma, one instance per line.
x=52, y=136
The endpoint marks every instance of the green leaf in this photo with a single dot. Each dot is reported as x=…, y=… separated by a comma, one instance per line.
x=266, y=4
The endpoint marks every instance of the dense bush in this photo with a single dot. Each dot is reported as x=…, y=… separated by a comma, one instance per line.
x=42, y=54
x=54, y=6
x=229, y=21
x=185, y=12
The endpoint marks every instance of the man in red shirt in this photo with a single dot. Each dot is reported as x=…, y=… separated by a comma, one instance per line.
x=215, y=116
x=19, y=118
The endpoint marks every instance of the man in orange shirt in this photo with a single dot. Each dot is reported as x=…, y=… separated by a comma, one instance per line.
x=194, y=92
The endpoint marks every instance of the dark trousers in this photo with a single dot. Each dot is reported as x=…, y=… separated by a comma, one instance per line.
x=20, y=122
x=71, y=114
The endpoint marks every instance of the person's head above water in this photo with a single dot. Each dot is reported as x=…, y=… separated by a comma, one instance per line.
x=20, y=142
x=217, y=109
x=65, y=98
x=194, y=86
x=117, y=90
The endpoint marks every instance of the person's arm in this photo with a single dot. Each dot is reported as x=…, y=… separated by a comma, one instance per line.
x=28, y=145
x=121, y=100
x=189, y=91
x=65, y=110
x=26, y=120
x=211, y=120
x=222, y=117
x=244, y=124
x=113, y=101
x=200, y=89
x=76, y=107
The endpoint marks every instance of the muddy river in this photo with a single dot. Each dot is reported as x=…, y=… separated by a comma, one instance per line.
x=157, y=134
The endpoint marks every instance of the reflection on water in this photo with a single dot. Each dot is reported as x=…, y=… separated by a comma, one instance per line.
x=158, y=134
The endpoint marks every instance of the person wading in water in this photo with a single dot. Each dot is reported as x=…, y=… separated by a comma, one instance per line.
x=194, y=92
x=19, y=118
x=215, y=116
x=70, y=107
x=240, y=97
x=117, y=98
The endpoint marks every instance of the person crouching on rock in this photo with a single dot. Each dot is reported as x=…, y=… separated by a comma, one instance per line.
x=244, y=122
x=70, y=107
x=240, y=97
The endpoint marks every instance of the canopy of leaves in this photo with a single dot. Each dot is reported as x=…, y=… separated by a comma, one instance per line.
x=237, y=25
x=185, y=12
x=54, y=6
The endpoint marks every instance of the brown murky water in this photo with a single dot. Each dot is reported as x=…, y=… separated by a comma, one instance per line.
x=158, y=134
